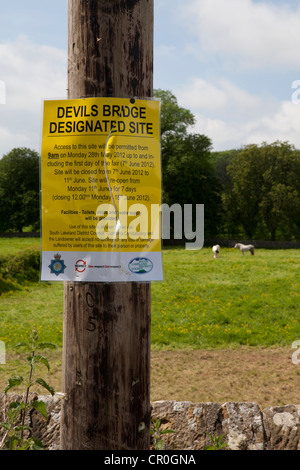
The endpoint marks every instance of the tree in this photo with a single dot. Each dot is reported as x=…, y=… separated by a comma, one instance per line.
x=265, y=189
x=279, y=206
x=228, y=219
x=242, y=201
x=187, y=167
x=19, y=190
x=174, y=119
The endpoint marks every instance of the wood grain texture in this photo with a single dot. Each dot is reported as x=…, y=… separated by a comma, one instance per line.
x=106, y=344
x=106, y=373
x=110, y=48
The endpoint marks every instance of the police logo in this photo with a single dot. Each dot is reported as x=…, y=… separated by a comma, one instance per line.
x=57, y=266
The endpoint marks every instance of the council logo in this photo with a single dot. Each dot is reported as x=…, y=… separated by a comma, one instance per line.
x=140, y=265
x=57, y=265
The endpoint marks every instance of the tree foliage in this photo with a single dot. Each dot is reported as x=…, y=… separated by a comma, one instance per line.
x=188, y=173
x=264, y=190
x=175, y=120
x=19, y=189
x=252, y=192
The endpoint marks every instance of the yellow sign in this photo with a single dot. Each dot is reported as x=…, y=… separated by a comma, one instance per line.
x=101, y=190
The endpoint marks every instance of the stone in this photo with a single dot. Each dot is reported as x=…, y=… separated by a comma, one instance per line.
x=48, y=431
x=191, y=422
x=282, y=425
x=243, y=425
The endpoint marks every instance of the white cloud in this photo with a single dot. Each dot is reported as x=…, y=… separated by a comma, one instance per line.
x=31, y=73
x=220, y=96
x=200, y=94
x=223, y=135
x=11, y=139
x=259, y=34
x=282, y=125
x=269, y=127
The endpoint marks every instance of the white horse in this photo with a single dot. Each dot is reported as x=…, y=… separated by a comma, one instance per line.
x=245, y=248
x=216, y=251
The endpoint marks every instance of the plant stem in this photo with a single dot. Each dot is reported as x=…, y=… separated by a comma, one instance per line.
x=27, y=392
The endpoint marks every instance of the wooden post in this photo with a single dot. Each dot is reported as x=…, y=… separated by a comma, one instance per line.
x=106, y=339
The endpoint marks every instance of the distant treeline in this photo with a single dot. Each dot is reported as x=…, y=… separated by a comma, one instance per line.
x=248, y=193
x=260, y=191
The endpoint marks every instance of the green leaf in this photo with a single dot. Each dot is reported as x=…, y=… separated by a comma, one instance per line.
x=167, y=431
x=45, y=385
x=46, y=345
x=12, y=443
x=43, y=360
x=40, y=406
x=37, y=445
x=5, y=426
x=15, y=404
x=31, y=360
x=13, y=382
x=23, y=344
x=160, y=444
x=217, y=442
x=22, y=428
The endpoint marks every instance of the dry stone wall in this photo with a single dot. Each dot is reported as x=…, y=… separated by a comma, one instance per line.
x=244, y=426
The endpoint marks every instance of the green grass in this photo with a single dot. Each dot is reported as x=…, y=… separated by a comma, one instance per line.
x=19, y=264
x=37, y=306
x=12, y=246
x=203, y=302
x=231, y=301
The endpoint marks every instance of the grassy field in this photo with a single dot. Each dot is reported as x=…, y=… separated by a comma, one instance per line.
x=10, y=246
x=202, y=303
x=205, y=309
x=229, y=301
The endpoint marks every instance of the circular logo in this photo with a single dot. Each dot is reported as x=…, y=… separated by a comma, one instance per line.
x=80, y=266
x=140, y=265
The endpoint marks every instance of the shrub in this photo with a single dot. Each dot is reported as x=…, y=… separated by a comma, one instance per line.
x=21, y=268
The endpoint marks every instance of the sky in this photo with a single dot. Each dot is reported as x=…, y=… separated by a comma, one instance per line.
x=234, y=64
